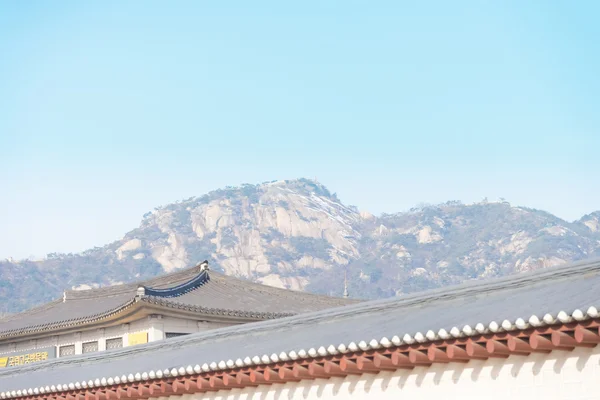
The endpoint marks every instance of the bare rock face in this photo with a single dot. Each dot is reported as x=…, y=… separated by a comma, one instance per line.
x=592, y=222
x=426, y=235
x=258, y=232
x=297, y=235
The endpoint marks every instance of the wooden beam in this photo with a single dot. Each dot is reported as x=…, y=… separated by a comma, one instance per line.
x=218, y=382
x=110, y=394
x=303, y=372
x=120, y=393
x=541, y=342
x=257, y=377
x=383, y=363
x=459, y=352
x=435, y=354
x=566, y=341
x=523, y=345
x=287, y=374
x=229, y=380
x=501, y=347
x=243, y=378
x=401, y=360
x=165, y=388
x=477, y=350
x=586, y=335
x=143, y=391
x=351, y=366
x=202, y=384
x=326, y=368
x=155, y=388
x=418, y=357
x=272, y=376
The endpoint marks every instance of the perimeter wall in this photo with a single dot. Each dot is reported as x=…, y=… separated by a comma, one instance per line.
x=557, y=375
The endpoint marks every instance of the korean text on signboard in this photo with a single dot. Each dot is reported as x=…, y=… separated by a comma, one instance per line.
x=27, y=357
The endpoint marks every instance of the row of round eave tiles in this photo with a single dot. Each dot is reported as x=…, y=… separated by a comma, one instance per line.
x=216, y=311
x=322, y=351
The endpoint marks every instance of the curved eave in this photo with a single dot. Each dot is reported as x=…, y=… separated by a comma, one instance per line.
x=180, y=289
x=134, y=306
x=68, y=324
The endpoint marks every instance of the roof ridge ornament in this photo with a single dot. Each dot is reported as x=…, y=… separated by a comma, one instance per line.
x=141, y=292
x=175, y=291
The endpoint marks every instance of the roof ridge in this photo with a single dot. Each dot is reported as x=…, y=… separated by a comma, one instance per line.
x=68, y=322
x=181, y=289
x=115, y=290
x=233, y=280
x=178, y=273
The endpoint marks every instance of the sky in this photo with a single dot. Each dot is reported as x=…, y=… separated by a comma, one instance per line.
x=109, y=108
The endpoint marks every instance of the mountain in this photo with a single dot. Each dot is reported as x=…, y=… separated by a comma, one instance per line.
x=296, y=234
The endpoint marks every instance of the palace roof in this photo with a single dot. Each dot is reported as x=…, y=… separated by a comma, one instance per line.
x=542, y=311
x=191, y=291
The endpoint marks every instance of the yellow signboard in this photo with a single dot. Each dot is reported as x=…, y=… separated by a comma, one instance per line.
x=137, y=338
x=27, y=358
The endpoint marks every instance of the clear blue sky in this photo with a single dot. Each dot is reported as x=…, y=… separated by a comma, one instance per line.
x=110, y=108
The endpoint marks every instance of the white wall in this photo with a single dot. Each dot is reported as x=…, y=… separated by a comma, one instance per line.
x=558, y=375
x=155, y=326
x=78, y=338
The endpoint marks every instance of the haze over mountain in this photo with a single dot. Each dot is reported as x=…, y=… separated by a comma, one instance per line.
x=296, y=234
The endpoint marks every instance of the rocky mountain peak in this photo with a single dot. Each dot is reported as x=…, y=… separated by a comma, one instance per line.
x=297, y=234
x=254, y=231
x=591, y=221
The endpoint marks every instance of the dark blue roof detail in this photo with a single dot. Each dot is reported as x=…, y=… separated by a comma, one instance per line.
x=180, y=289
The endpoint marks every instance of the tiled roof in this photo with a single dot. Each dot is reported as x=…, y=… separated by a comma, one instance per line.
x=193, y=289
x=539, y=300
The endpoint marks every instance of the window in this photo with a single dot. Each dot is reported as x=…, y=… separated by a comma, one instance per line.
x=115, y=343
x=89, y=347
x=170, y=335
x=65, y=351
